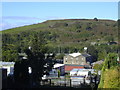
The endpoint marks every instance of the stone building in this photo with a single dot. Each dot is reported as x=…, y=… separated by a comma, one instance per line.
x=78, y=59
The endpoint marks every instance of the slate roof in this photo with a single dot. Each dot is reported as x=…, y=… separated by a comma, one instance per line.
x=86, y=55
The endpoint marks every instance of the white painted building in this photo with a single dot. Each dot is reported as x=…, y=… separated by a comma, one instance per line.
x=80, y=72
x=60, y=67
x=9, y=66
x=79, y=76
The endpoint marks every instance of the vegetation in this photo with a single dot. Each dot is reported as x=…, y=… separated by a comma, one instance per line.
x=110, y=77
x=61, y=36
x=98, y=66
x=60, y=56
x=21, y=75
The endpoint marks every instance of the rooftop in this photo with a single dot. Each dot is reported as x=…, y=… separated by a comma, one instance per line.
x=70, y=67
x=75, y=54
x=6, y=63
x=58, y=65
x=78, y=54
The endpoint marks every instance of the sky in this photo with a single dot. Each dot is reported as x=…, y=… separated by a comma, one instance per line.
x=15, y=14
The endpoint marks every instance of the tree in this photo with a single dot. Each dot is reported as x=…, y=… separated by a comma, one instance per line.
x=60, y=56
x=49, y=64
x=109, y=39
x=93, y=52
x=9, y=53
x=36, y=58
x=36, y=62
x=21, y=75
x=37, y=42
x=102, y=54
x=98, y=66
x=110, y=61
x=110, y=76
x=95, y=19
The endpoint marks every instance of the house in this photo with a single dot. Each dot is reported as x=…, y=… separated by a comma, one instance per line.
x=80, y=72
x=78, y=59
x=54, y=72
x=97, y=62
x=80, y=76
x=9, y=66
x=60, y=67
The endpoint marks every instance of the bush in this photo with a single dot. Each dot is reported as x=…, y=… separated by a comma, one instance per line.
x=60, y=56
x=98, y=66
x=110, y=77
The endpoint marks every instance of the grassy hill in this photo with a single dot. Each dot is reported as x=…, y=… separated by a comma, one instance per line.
x=61, y=35
x=71, y=31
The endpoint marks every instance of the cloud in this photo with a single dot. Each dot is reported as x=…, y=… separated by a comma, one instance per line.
x=19, y=18
x=7, y=25
x=17, y=21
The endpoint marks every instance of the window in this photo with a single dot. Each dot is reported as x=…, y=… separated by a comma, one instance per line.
x=82, y=58
x=77, y=58
x=72, y=62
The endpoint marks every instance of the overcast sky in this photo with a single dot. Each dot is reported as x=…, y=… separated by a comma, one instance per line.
x=15, y=14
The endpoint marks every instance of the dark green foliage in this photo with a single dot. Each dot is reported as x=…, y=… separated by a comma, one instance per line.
x=21, y=74
x=36, y=62
x=88, y=28
x=60, y=56
x=110, y=77
x=49, y=61
x=9, y=53
x=110, y=61
x=95, y=19
x=102, y=54
x=98, y=66
x=58, y=73
x=60, y=25
x=109, y=39
x=93, y=52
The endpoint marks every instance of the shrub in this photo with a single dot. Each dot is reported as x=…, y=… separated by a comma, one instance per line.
x=98, y=66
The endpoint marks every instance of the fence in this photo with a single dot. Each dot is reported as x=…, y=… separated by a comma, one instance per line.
x=66, y=82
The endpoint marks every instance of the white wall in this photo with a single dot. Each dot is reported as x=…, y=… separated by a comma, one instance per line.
x=10, y=69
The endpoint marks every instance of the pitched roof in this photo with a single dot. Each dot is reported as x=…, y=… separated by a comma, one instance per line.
x=58, y=65
x=75, y=54
x=86, y=55
x=78, y=54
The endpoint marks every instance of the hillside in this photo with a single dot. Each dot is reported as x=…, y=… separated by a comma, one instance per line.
x=71, y=31
x=61, y=35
